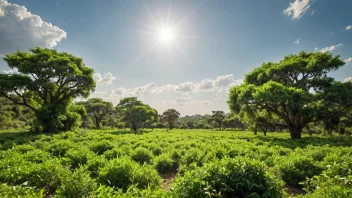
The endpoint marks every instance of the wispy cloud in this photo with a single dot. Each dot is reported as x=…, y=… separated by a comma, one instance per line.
x=329, y=49
x=298, y=8
x=313, y=12
x=349, y=27
x=297, y=41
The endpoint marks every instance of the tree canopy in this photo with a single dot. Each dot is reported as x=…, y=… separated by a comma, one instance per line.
x=296, y=90
x=170, y=116
x=135, y=112
x=218, y=117
x=97, y=109
x=46, y=81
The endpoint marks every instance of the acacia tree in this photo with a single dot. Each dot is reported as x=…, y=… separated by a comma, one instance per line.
x=296, y=90
x=135, y=112
x=46, y=82
x=97, y=109
x=218, y=117
x=170, y=116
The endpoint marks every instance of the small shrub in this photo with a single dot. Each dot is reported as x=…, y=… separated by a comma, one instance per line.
x=227, y=178
x=77, y=184
x=101, y=146
x=142, y=155
x=20, y=191
x=59, y=147
x=123, y=172
x=296, y=169
x=164, y=163
x=93, y=165
x=79, y=156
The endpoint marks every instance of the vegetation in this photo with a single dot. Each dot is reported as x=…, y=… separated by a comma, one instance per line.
x=46, y=83
x=59, y=155
x=296, y=91
x=204, y=162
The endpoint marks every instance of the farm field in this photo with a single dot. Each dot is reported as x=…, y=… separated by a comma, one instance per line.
x=176, y=163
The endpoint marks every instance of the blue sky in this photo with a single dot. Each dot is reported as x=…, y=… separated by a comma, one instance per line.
x=214, y=43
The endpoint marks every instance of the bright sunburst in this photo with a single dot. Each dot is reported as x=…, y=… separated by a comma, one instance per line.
x=166, y=34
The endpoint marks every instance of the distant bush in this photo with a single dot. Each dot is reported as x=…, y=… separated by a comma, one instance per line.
x=123, y=172
x=142, y=155
x=239, y=177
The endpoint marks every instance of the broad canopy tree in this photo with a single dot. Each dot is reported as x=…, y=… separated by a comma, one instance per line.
x=170, y=116
x=97, y=109
x=218, y=117
x=135, y=113
x=295, y=90
x=46, y=82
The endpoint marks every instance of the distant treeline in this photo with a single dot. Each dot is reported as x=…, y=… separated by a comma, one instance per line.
x=295, y=95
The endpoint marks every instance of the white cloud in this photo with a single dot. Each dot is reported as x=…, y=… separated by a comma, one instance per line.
x=186, y=86
x=297, y=41
x=106, y=80
x=329, y=49
x=11, y=71
x=332, y=33
x=206, y=84
x=348, y=60
x=224, y=80
x=187, y=101
x=20, y=29
x=298, y=8
x=349, y=27
x=349, y=79
x=313, y=12
x=221, y=83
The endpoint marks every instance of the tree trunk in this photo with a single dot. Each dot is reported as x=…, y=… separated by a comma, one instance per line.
x=97, y=124
x=134, y=127
x=295, y=132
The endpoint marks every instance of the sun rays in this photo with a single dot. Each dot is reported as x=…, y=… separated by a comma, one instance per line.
x=165, y=33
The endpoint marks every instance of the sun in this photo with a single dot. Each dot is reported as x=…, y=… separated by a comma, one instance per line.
x=166, y=34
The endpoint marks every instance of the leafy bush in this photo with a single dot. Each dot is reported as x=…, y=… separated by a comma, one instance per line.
x=164, y=163
x=336, y=181
x=59, y=147
x=238, y=177
x=93, y=165
x=296, y=169
x=20, y=192
x=123, y=172
x=142, y=155
x=77, y=184
x=101, y=146
x=79, y=156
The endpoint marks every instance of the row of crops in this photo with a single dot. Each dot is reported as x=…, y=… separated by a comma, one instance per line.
x=178, y=163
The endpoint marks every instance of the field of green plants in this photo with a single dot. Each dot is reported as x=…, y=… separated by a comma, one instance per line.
x=176, y=163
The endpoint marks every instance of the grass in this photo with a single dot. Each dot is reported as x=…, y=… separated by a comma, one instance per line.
x=164, y=163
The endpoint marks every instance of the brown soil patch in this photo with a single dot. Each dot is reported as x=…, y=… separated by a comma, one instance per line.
x=167, y=179
x=293, y=191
